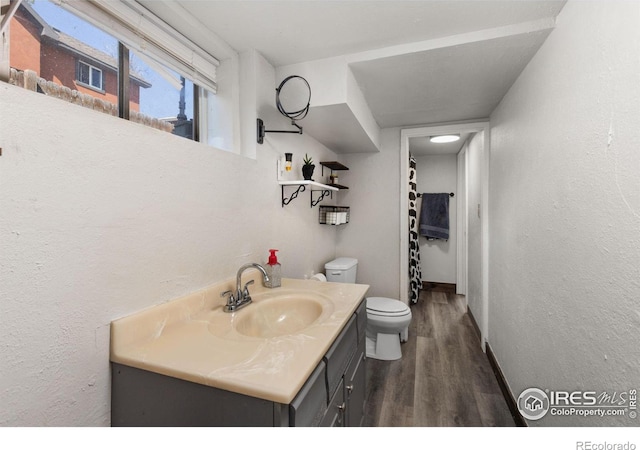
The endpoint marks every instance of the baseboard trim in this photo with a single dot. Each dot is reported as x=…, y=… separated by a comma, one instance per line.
x=475, y=325
x=439, y=287
x=506, y=392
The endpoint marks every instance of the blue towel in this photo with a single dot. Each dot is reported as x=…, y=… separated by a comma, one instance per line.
x=434, y=217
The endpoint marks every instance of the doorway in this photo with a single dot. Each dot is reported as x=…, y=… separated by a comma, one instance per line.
x=471, y=273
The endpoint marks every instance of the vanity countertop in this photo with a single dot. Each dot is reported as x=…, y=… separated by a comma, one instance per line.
x=191, y=338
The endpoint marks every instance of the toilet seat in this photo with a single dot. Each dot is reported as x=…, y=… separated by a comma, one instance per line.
x=387, y=307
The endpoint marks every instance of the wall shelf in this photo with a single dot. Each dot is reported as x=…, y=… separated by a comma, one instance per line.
x=334, y=166
x=324, y=190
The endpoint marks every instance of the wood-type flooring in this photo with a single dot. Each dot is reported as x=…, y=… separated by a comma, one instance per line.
x=443, y=379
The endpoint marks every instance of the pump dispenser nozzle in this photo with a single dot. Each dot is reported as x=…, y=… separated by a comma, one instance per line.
x=273, y=259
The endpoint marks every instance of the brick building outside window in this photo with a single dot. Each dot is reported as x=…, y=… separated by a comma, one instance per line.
x=67, y=61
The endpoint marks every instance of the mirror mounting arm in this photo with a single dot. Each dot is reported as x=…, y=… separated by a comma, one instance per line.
x=261, y=131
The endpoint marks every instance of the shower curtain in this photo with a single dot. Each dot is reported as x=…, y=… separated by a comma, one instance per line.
x=415, y=269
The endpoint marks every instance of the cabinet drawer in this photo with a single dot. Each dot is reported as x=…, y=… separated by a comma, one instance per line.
x=339, y=355
x=361, y=318
x=310, y=405
x=334, y=416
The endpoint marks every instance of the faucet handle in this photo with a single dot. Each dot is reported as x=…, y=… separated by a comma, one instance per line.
x=245, y=290
x=230, y=300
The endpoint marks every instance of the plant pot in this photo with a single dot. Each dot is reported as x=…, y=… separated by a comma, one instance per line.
x=307, y=171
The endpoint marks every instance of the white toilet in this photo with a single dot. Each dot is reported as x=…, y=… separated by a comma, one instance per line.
x=387, y=319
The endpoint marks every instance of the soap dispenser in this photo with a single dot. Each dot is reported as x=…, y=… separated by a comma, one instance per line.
x=274, y=270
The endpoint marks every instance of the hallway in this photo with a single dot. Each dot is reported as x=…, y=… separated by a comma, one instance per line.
x=443, y=379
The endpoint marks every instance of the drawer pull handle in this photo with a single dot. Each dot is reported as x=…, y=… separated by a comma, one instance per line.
x=350, y=388
x=342, y=407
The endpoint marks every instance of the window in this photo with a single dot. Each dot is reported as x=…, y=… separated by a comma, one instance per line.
x=152, y=75
x=168, y=99
x=89, y=75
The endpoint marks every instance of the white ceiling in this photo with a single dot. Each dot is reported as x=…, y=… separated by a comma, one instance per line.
x=292, y=31
x=454, y=83
x=416, y=62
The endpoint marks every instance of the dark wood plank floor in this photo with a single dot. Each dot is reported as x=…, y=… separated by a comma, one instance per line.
x=443, y=379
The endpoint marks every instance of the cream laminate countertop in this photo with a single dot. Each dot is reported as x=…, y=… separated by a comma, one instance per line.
x=192, y=339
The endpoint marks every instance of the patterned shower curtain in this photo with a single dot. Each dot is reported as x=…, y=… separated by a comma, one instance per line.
x=415, y=268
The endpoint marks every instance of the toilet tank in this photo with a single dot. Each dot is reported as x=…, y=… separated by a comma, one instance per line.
x=342, y=270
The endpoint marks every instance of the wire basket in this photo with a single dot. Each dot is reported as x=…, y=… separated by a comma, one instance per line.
x=333, y=215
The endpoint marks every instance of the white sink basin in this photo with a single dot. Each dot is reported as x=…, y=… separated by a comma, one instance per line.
x=278, y=317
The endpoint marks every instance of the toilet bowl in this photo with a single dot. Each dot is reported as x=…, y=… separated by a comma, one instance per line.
x=387, y=319
x=387, y=325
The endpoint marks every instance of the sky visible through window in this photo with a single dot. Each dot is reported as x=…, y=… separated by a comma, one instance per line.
x=160, y=100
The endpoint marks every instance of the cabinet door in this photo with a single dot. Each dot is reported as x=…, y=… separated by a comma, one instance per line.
x=140, y=398
x=340, y=353
x=334, y=416
x=308, y=407
x=355, y=388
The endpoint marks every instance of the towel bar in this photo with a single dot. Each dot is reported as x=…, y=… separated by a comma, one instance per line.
x=451, y=194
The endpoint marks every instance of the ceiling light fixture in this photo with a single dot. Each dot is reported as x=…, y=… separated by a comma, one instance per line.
x=445, y=138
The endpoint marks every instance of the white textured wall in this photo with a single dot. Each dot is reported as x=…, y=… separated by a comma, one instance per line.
x=565, y=211
x=373, y=234
x=100, y=218
x=326, y=76
x=439, y=173
x=358, y=104
x=474, y=149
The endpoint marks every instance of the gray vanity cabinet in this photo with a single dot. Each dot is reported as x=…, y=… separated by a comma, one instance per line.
x=339, y=365
x=346, y=374
x=309, y=406
x=355, y=382
x=333, y=395
x=355, y=389
x=335, y=414
x=338, y=359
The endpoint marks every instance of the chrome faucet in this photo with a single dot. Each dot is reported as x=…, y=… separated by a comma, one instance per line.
x=242, y=297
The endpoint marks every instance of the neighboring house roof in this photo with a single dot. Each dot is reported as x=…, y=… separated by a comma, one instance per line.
x=81, y=49
x=47, y=30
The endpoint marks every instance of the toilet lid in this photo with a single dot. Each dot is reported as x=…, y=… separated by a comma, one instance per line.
x=386, y=307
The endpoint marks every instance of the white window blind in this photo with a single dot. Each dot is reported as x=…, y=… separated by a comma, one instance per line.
x=149, y=37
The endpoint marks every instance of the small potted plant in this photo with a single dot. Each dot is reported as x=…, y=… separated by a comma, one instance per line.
x=308, y=167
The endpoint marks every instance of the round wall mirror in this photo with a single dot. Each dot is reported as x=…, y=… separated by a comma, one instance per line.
x=293, y=97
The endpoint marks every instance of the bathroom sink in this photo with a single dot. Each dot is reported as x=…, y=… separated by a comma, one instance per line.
x=278, y=316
